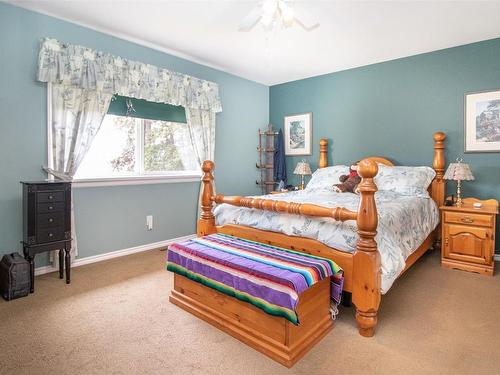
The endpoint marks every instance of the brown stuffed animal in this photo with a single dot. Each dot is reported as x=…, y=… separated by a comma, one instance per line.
x=349, y=182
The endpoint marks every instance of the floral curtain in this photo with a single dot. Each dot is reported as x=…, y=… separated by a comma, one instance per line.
x=201, y=135
x=82, y=67
x=77, y=115
x=201, y=130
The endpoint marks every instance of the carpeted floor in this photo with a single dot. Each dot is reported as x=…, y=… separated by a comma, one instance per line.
x=115, y=318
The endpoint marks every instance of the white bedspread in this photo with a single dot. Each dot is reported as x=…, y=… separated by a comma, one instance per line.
x=404, y=223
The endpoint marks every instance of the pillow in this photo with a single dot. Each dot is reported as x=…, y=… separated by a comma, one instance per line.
x=412, y=181
x=324, y=178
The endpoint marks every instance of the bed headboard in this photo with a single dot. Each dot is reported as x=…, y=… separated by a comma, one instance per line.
x=323, y=156
x=380, y=160
x=438, y=186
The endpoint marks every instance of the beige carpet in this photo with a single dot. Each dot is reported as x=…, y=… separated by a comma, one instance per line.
x=115, y=318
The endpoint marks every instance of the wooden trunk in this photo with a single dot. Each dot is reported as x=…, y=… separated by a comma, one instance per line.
x=273, y=336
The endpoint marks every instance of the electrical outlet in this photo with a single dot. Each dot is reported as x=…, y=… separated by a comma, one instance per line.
x=149, y=222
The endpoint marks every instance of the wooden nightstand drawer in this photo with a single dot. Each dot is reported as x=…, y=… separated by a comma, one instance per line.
x=468, y=219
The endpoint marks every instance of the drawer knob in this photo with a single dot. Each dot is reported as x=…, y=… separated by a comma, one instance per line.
x=51, y=208
x=51, y=220
x=467, y=220
x=51, y=235
x=51, y=197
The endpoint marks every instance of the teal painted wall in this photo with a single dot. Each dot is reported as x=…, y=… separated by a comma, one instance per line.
x=111, y=218
x=393, y=108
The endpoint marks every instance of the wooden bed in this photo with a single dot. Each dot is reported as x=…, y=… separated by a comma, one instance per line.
x=361, y=268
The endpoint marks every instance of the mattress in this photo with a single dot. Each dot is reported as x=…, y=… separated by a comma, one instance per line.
x=404, y=223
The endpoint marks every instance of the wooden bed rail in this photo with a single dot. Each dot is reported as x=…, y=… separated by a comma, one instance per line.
x=367, y=170
x=303, y=209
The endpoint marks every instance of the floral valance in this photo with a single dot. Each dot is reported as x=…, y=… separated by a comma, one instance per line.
x=83, y=67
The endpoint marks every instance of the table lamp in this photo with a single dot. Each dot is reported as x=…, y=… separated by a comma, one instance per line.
x=459, y=172
x=302, y=169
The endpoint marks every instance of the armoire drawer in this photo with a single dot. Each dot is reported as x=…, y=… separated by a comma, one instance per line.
x=51, y=220
x=44, y=208
x=50, y=196
x=50, y=234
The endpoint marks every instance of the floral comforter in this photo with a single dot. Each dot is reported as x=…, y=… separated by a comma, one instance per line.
x=404, y=223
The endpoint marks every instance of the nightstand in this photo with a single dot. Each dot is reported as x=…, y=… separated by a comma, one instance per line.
x=468, y=236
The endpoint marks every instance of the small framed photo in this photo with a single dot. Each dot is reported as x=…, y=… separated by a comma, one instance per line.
x=482, y=121
x=298, y=134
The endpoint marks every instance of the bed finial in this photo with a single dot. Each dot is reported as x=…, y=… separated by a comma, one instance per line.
x=439, y=162
x=438, y=187
x=366, y=262
x=323, y=153
x=206, y=223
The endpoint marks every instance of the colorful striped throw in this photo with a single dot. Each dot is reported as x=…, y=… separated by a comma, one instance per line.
x=268, y=277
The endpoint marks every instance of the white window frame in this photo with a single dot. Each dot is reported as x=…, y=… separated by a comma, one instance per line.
x=144, y=178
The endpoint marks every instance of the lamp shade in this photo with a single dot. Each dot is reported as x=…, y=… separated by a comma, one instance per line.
x=302, y=168
x=458, y=172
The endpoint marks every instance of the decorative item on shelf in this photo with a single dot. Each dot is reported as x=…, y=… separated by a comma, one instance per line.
x=302, y=169
x=266, y=164
x=459, y=172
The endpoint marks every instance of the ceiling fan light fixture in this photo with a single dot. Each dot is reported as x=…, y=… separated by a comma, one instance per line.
x=287, y=13
x=272, y=13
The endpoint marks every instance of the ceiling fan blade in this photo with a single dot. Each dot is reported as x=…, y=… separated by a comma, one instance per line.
x=251, y=19
x=307, y=25
x=304, y=18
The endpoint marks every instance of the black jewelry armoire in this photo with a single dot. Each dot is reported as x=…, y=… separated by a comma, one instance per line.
x=47, y=223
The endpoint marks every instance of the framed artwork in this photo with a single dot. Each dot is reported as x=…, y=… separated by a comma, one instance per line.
x=482, y=121
x=298, y=134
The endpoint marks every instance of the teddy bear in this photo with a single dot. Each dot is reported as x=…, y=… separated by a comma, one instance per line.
x=349, y=182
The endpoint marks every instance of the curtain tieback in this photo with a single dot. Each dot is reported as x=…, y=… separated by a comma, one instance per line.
x=59, y=175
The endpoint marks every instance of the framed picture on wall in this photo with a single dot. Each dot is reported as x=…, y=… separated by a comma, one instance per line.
x=298, y=134
x=482, y=121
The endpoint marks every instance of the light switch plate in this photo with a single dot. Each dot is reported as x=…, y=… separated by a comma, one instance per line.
x=149, y=222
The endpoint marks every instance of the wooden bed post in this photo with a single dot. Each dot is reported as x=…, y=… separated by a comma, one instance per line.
x=366, y=261
x=206, y=222
x=438, y=187
x=323, y=153
x=438, y=184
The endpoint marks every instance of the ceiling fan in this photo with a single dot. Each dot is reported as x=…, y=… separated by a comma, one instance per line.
x=271, y=13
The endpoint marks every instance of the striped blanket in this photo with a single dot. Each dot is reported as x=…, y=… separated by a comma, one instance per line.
x=268, y=277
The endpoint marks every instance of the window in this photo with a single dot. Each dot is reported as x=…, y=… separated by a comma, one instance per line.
x=140, y=139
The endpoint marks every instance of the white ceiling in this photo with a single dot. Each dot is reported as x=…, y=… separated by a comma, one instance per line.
x=352, y=33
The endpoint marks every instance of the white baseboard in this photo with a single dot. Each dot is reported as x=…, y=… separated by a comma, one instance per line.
x=497, y=257
x=114, y=254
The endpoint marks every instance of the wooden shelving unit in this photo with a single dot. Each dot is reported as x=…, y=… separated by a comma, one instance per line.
x=266, y=159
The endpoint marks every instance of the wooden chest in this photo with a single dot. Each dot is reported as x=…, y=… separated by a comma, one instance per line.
x=273, y=336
